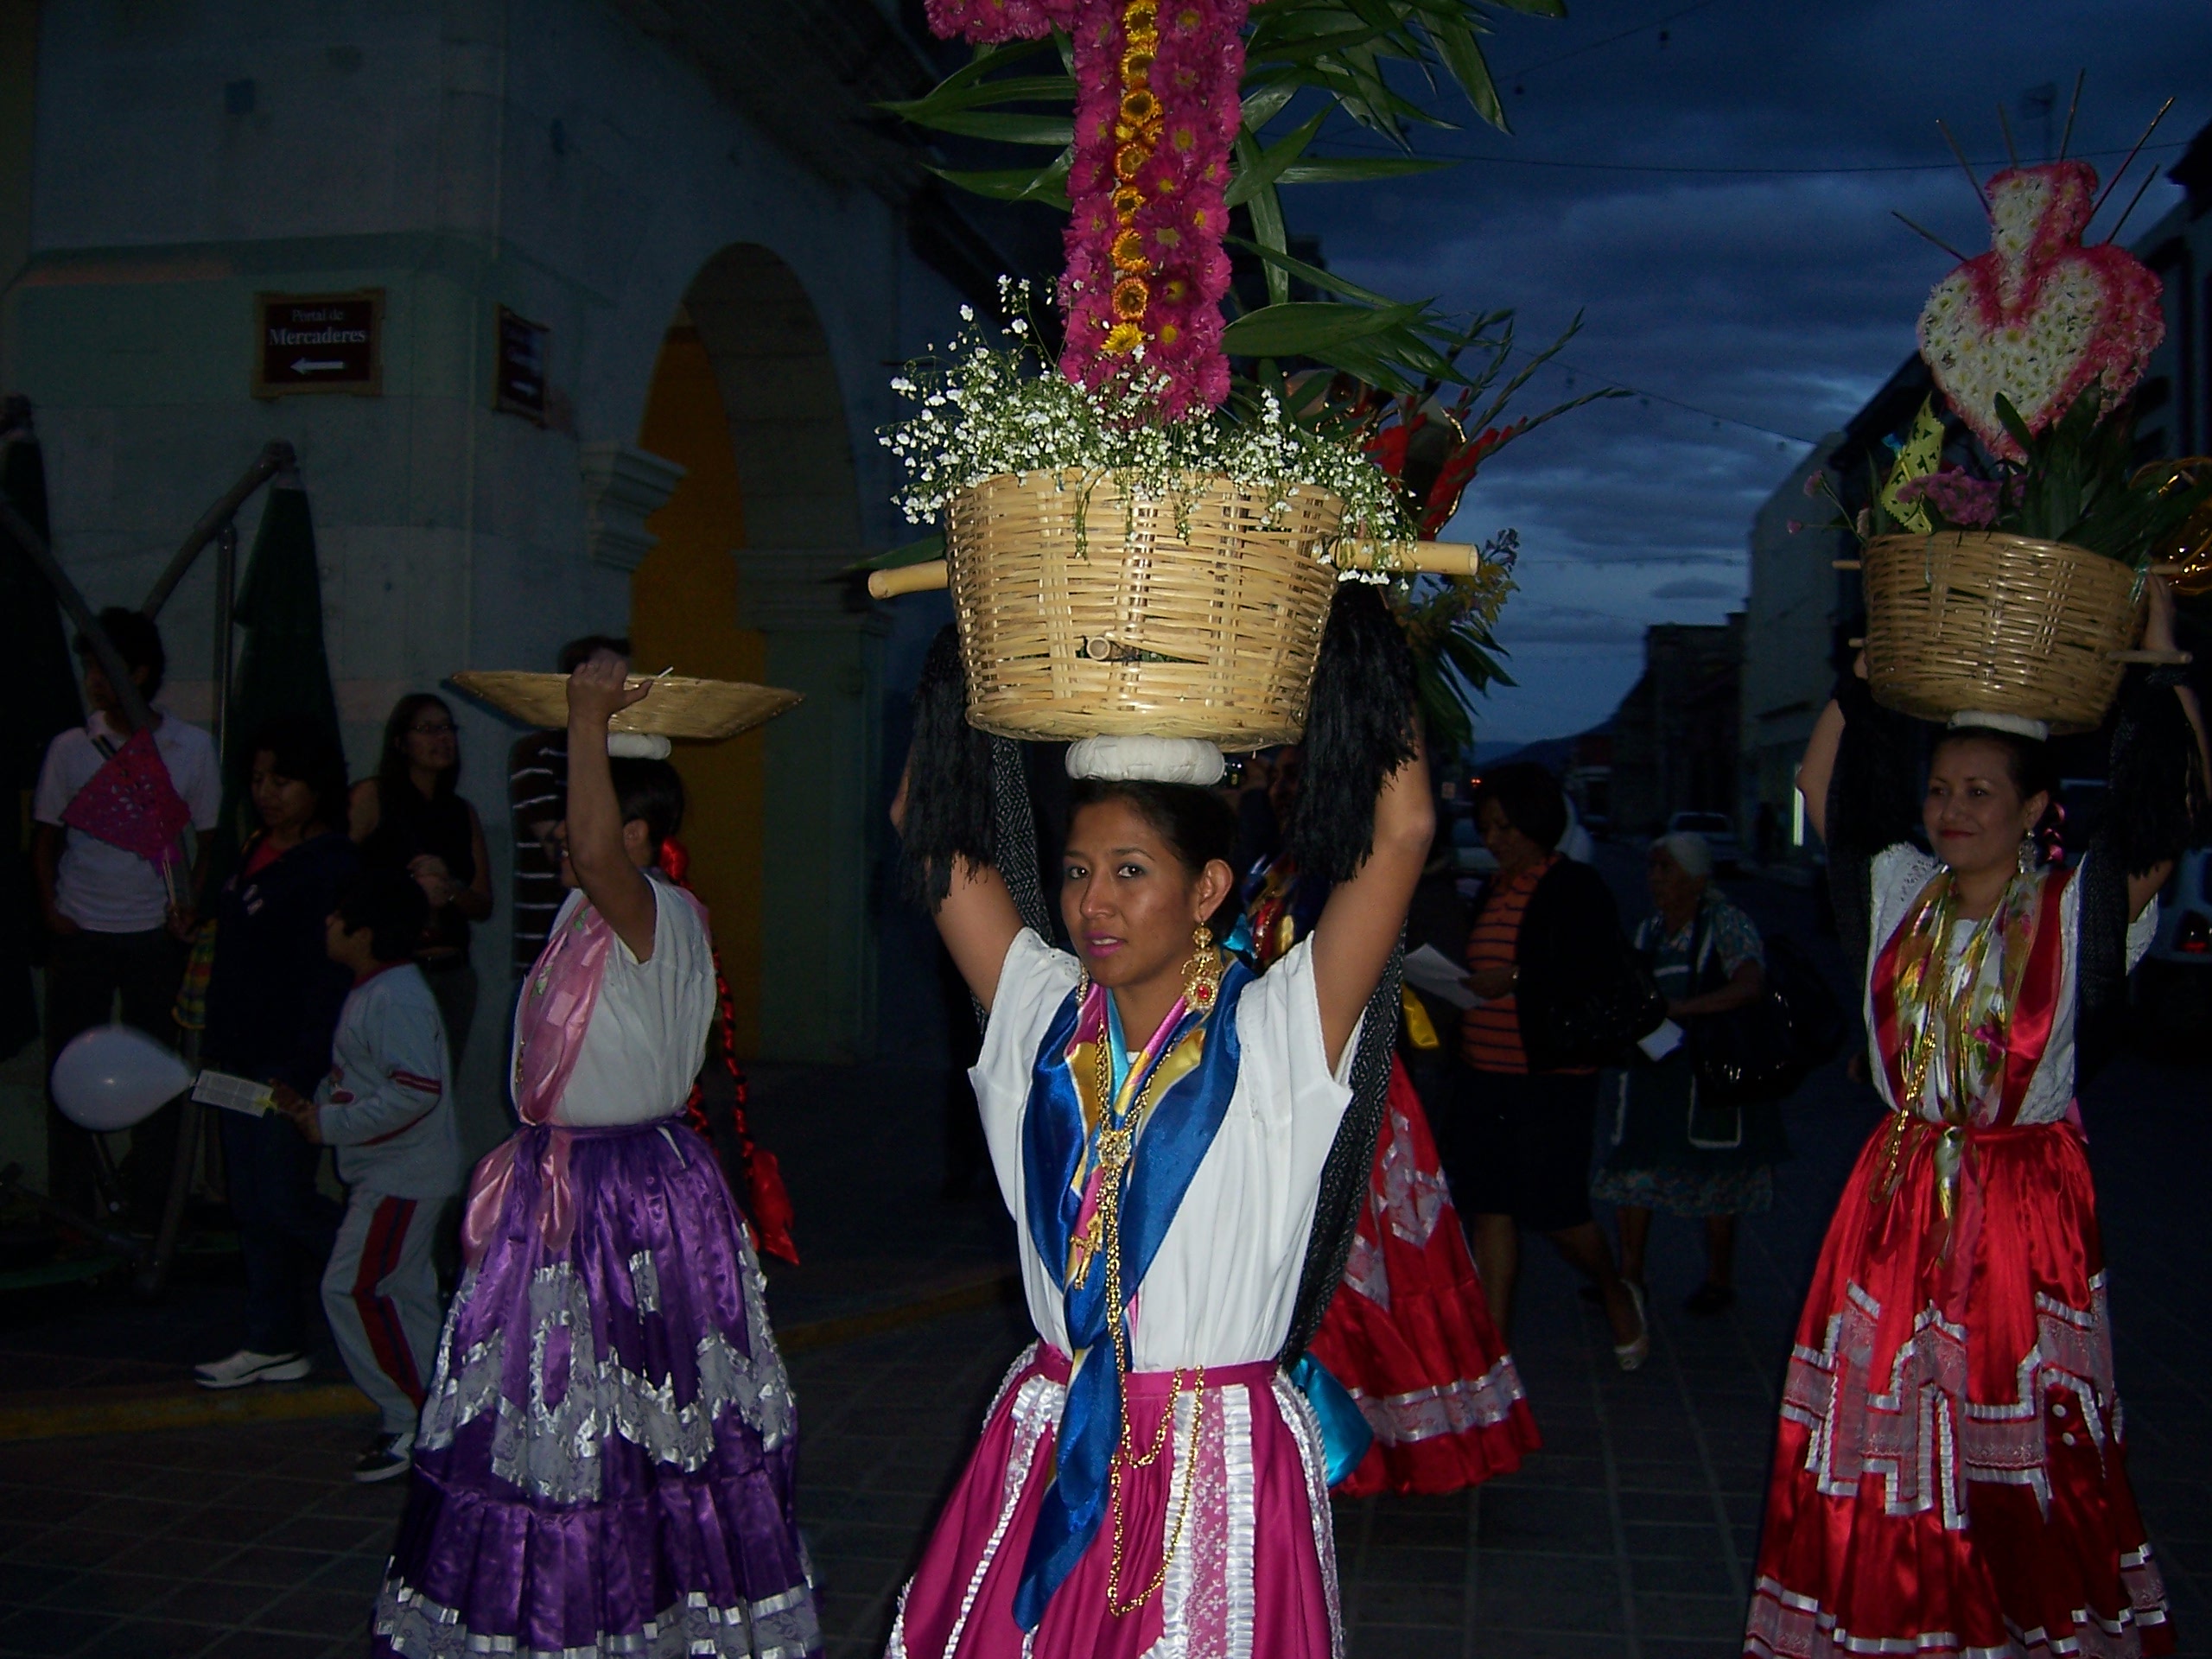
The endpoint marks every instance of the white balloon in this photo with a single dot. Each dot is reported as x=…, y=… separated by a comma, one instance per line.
x=113, y=1077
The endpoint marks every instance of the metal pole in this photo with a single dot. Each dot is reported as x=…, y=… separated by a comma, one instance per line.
x=275, y=457
x=112, y=664
x=227, y=583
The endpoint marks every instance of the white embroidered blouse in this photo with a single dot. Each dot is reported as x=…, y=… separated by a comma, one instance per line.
x=648, y=1033
x=1899, y=873
x=1220, y=1290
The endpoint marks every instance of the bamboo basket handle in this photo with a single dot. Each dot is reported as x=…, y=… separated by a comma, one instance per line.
x=1431, y=558
x=908, y=579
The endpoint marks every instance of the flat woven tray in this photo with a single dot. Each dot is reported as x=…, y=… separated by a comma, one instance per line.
x=703, y=710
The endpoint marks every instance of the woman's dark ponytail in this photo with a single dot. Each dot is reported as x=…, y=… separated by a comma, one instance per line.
x=1359, y=729
x=949, y=813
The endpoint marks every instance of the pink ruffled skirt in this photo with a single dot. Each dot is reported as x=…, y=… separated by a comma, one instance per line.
x=1253, y=1575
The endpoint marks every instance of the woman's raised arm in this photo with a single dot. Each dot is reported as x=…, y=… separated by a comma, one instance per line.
x=618, y=889
x=1818, y=767
x=1359, y=926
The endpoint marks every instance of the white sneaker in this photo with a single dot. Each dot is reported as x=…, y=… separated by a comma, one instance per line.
x=385, y=1456
x=245, y=1366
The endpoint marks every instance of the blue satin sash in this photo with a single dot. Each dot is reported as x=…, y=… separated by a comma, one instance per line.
x=1060, y=1130
x=1345, y=1431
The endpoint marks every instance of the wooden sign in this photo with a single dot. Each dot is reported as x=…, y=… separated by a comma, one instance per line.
x=518, y=378
x=319, y=342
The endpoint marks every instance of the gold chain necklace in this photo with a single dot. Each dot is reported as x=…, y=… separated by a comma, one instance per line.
x=1116, y=1148
x=1950, y=1006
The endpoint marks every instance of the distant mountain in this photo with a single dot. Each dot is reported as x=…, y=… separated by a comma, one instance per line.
x=1551, y=754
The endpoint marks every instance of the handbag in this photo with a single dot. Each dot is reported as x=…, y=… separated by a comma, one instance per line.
x=1614, y=1003
x=1744, y=1054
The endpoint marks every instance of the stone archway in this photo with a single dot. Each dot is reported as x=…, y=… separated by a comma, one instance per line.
x=800, y=948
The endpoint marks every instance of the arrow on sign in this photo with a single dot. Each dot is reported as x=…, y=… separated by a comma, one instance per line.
x=312, y=366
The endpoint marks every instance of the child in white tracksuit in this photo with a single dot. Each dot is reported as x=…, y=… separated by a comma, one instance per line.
x=387, y=1107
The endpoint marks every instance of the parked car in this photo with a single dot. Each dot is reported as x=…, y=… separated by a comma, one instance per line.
x=2173, y=988
x=1719, y=832
x=1469, y=857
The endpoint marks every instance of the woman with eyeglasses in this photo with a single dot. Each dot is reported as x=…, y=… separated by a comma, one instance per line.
x=410, y=818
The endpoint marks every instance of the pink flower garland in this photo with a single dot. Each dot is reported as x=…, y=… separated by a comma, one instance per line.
x=991, y=23
x=1157, y=112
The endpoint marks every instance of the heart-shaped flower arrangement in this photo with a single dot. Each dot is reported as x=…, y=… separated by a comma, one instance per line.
x=2039, y=317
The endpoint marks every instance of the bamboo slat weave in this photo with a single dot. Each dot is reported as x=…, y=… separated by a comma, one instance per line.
x=1085, y=612
x=703, y=710
x=1975, y=619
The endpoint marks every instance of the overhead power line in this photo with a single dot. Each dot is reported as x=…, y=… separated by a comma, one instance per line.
x=1492, y=160
x=1713, y=415
x=1592, y=46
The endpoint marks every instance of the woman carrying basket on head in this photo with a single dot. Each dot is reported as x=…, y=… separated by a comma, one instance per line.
x=1158, y=1117
x=1950, y=1475
x=605, y=1461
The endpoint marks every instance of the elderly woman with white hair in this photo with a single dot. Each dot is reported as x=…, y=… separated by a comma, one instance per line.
x=1672, y=1150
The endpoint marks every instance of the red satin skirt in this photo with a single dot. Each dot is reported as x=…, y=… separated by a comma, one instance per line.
x=1409, y=1332
x=1950, y=1480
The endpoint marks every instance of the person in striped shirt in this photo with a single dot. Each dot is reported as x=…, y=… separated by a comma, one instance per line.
x=1547, y=931
x=537, y=794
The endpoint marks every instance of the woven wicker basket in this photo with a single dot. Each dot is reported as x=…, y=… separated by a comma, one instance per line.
x=1083, y=612
x=701, y=710
x=1973, y=619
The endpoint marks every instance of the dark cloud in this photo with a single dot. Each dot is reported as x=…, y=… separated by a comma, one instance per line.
x=1698, y=588
x=1771, y=306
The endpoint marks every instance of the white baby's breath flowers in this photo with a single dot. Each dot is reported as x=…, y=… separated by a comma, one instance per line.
x=987, y=406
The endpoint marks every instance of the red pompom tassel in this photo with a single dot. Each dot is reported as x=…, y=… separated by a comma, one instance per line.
x=766, y=1198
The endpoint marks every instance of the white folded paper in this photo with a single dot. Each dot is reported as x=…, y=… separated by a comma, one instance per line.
x=233, y=1093
x=1433, y=974
x=1660, y=1041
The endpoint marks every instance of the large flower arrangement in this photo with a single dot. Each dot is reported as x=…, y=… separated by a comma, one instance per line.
x=1172, y=102
x=1169, y=136
x=2037, y=348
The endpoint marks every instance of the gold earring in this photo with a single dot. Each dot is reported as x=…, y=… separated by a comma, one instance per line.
x=1202, y=977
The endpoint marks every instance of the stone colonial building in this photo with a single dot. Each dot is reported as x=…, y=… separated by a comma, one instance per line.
x=697, y=213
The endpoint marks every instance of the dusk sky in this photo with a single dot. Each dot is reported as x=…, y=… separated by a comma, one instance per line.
x=1727, y=233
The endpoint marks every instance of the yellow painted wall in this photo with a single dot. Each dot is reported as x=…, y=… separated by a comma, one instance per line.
x=683, y=613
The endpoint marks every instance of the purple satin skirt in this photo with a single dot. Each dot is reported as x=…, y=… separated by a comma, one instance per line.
x=605, y=1461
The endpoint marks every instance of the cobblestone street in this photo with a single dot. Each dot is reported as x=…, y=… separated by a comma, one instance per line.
x=1630, y=1536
